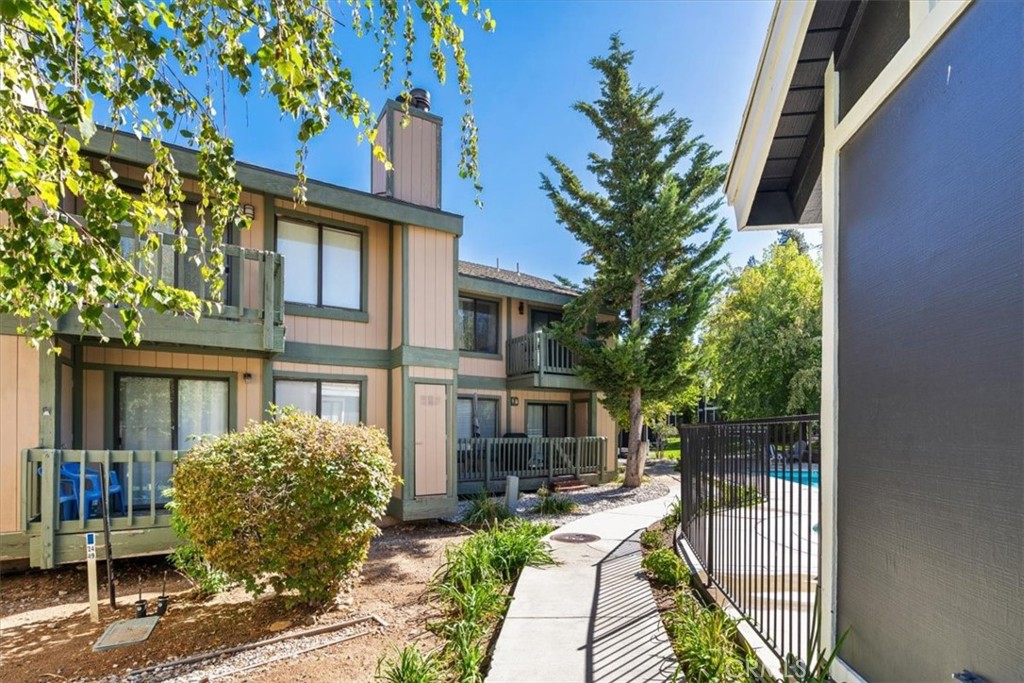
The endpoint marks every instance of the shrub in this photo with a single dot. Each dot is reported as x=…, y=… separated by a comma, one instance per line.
x=651, y=539
x=674, y=515
x=499, y=553
x=554, y=503
x=705, y=642
x=408, y=665
x=291, y=502
x=666, y=568
x=471, y=585
x=190, y=563
x=486, y=510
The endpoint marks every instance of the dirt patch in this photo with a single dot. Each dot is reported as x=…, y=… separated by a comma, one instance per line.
x=45, y=632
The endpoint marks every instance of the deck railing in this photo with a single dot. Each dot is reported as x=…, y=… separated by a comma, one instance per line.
x=251, y=283
x=483, y=464
x=538, y=352
x=252, y=291
x=750, y=502
x=62, y=492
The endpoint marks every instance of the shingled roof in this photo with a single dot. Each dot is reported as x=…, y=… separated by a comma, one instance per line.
x=513, y=277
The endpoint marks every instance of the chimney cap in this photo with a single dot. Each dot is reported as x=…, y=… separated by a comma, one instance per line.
x=419, y=98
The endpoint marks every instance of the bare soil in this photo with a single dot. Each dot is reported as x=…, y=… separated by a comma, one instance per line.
x=45, y=632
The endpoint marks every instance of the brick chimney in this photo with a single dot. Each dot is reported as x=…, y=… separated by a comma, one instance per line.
x=414, y=151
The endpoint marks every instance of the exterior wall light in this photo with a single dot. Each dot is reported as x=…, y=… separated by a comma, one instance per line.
x=513, y=401
x=247, y=377
x=249, y=210
x=520, y=308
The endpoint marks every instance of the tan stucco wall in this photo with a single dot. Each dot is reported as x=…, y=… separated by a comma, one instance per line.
x=431, y=288
x=19, y=422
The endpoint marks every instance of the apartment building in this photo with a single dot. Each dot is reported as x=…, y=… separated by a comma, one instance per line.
x=353, y=306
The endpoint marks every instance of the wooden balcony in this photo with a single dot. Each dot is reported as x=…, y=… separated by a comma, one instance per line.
x=483, y=464
x=248, y=317
x=60, y=501
x=537, y=360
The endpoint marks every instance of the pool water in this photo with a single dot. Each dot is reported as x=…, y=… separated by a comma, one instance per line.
x=807, y=477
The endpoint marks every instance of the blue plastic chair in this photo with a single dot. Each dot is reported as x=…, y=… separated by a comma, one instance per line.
x=67, y=497
x=93, y=489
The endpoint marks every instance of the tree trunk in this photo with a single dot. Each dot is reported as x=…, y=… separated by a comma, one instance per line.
x=636, y=456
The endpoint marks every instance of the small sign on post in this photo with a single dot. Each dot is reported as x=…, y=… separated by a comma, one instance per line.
x=90, y=561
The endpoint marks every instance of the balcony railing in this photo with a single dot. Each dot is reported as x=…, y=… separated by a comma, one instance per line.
x=63, y=494
x=539, y=353
x=251, y=293
x=750, y=515
x=483, y=464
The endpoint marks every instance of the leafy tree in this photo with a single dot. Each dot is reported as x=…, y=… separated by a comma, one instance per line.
x=167, y=66
x=654, y=274
x=796, y=237
x=761, y=345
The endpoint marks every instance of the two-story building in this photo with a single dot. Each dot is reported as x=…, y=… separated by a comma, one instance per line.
x=353, y=306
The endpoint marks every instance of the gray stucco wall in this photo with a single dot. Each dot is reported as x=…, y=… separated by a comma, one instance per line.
x=931, y=365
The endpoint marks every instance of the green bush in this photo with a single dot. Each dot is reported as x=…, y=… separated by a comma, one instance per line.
x=408, y=665
x=486, y=510
x=651, y=539
x=704, y=640
x=674, y=514
x=190, y=563
x=666, y=568
x=472, y=584
x=290, y=502
x=554, y=503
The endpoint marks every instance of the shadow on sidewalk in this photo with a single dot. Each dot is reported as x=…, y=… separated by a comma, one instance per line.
x=625, y=639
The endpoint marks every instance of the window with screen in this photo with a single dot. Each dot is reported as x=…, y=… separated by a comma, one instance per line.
x=478, y=325
x=338, y=401
x=323, y=264
x=476, y=417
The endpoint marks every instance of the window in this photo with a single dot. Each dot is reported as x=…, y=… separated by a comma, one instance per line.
x=165, y=413
x=322, y=265
x=478, y=325
x=338, y=401
x=476, y=418
x=547, y=419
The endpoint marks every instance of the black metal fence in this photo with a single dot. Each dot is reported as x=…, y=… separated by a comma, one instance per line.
x=750, y=513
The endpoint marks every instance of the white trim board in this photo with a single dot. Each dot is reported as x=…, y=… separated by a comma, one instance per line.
x=929, y=21
x=764, y=106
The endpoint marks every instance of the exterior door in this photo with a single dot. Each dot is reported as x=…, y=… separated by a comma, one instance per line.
x=547, y=419
x=430, y=425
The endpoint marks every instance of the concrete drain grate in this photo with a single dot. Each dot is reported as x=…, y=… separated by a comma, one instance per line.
x=575, y=538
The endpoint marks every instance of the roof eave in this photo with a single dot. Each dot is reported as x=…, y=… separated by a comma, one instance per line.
x=779, y=56
x=133, y=150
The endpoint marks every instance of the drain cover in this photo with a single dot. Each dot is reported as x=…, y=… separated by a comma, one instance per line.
x=127, y=632
x=575, y=538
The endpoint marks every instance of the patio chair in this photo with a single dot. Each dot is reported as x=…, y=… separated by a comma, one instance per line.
x=67, y=497
x=93, y=489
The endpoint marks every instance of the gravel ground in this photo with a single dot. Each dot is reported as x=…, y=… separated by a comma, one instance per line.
x=233, y=667
x=661, y=480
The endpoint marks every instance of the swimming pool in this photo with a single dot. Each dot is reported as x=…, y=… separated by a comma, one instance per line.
x=807, y=477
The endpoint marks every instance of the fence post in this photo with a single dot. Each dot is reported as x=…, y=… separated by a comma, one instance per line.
x=48, y=509
x=709, y=507
x=576, y=456
x=268, y=301
x=549, y=453
x=488, y=446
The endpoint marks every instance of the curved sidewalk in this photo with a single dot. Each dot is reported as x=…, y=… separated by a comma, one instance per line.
x=592, y=617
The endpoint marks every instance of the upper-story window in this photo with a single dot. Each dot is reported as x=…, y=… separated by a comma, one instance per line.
x=478, y=325
x=322, y=264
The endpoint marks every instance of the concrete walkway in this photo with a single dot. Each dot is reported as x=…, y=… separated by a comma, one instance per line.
x=592, y=617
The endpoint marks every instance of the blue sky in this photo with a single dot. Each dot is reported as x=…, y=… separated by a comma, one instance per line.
x=526, y=75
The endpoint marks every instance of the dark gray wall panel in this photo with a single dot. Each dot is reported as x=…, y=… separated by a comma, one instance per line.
x=878, y=32
x=931, y=365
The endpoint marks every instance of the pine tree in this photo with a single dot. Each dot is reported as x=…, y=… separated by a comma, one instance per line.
x=653, y=238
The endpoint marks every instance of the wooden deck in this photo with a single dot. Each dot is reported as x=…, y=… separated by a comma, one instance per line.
x=483, y=464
